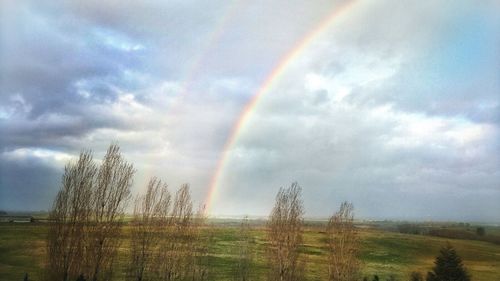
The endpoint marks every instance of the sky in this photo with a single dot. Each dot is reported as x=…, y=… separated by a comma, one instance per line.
x=392, y=105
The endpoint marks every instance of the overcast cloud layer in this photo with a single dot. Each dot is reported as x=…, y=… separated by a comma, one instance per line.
x=396, y=107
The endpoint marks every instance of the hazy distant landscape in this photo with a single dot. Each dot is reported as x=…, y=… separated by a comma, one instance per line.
x=384, y=252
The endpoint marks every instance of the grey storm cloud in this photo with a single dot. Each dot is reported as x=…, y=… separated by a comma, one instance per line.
x=28, y=183
x=394, y=107
x=48, y=66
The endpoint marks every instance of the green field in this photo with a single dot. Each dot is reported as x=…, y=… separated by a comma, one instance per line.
x=383, y=253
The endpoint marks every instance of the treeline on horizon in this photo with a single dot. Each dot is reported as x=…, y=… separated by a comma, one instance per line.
x=170, y=240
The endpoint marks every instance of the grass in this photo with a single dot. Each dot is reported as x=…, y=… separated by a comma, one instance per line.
x=393, y=253
x=383, y=253
x=21, y=250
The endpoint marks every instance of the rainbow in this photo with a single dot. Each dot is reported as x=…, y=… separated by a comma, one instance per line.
x=271, y=79
x=210, y=42
x=196, y=63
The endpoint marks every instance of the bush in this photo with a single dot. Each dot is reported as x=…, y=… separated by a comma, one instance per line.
x=416, y=276
x=480, y=231
x=448, y=266
x=409, y=228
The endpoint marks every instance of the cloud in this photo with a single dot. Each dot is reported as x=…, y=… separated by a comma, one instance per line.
x=29, y=178
x=356, y=123
x=447, y=60
x=395, y=109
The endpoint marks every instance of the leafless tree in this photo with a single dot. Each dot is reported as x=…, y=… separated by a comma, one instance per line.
x=147, y=228
x=285, y=235
x=343, y=244
x=70, y=215
x=184, y=244
x=110, y=194
x=243, y=270
x=84, y=236
x=176, y=257
x=202, y=238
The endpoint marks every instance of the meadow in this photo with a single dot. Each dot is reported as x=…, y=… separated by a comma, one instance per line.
x=383, y=252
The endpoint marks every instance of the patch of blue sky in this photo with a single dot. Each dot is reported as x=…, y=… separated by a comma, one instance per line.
x=460, y=56
x=468, y=47
x=122, y=55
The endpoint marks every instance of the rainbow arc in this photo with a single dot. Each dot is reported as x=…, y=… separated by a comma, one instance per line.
x=271, y=79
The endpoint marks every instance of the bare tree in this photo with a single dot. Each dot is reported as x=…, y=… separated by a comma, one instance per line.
x=69, y=216
x=176, y=257
x=184, y=247
x=343, y=243
x=285, y=234
x=111, y=192
x=149, y=222
x=87, y=218
x=202, y=238
x=243, y=270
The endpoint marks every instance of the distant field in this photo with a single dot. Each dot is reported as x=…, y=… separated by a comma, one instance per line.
x=383, y=253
